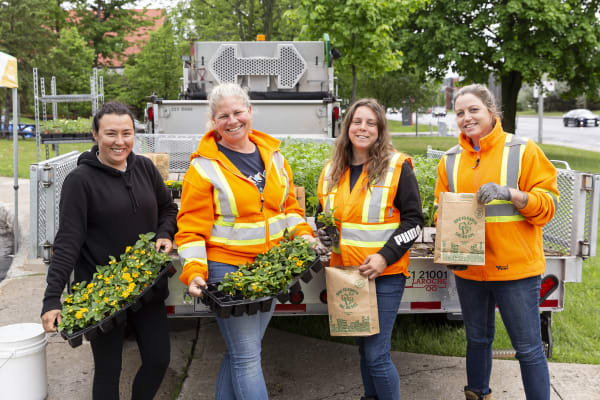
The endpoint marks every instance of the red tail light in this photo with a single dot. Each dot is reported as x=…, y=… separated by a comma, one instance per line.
x=296, y=298
x=170, y=309
x=548, y=286
x=336, y=113
x=151, y=114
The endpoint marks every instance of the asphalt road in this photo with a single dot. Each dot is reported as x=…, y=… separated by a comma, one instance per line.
x=553, y=132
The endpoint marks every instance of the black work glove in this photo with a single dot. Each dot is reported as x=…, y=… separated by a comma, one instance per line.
x=492, y=191
x=457, y=267
x=324, y=237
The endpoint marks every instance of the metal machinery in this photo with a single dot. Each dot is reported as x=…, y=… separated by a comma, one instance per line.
x=291, y=85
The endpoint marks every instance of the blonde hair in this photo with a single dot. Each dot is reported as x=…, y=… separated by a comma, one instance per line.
x=379, y=153
x=483, y=94
x=221, y=92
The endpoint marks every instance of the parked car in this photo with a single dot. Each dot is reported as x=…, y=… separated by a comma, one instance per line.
x=439, y=111
x=580, y=117
x=392, y=110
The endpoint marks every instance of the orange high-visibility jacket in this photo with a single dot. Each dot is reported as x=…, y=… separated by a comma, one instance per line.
x=513, y=238
x=366, y=219
x=224, y=217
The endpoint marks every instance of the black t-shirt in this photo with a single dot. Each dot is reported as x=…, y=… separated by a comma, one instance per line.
x=250, y=165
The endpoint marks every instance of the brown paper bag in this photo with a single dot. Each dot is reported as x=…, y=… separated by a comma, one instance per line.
x=460, y=230
x=161, y=161
x=351, y=302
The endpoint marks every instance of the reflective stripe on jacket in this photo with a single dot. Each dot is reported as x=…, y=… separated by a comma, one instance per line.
x=514, y=246
x=366, y=219
x=224, y=217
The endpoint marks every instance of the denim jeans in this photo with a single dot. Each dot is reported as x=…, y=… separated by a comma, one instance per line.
x=518, y=303
x=240, y=375
x=379, y=374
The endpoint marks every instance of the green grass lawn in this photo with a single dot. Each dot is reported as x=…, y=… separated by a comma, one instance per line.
x=27, y=154
x=575, y=329
x=396, y=126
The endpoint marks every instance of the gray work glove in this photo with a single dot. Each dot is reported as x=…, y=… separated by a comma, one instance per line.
x=321, y=249
x=324, y=237
x=492, y=191
x=457, y=267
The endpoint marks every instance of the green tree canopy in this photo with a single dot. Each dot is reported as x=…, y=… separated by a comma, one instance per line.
x=156, y=69
x=517, y=40
x=105, y=24
x=236, y=20
x=363, y=30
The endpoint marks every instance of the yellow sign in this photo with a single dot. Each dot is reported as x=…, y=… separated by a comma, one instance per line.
x=8, y=71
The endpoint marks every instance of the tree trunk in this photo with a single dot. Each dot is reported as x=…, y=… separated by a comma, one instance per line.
x=353, y=83
x=511, y=84
x=268, y=18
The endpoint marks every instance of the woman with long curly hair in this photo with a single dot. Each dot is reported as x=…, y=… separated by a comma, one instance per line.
x=373, y=194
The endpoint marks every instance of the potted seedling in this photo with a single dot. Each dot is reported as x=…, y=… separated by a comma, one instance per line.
x=326, y=220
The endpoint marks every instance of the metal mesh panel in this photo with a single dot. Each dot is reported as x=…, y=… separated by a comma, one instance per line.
x=558, y=233
x=49, y=177
x=179, y=148
x=288, y=65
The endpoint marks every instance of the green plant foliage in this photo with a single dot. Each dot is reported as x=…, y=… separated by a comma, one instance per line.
x=426, y=173
x=79, y=125
x=271, y=272
x=113, y=285
x=307, y=161
x=326, y=218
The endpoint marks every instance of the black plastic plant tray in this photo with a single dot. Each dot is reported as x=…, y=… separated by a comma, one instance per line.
x=108, y=323
x=225, y=305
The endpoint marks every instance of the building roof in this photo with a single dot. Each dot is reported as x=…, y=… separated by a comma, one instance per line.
x=138, y=38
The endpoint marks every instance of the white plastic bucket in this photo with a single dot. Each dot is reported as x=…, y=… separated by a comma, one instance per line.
x=23, y=362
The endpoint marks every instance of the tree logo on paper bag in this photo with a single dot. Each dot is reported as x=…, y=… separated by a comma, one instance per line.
x=346, y=295
x=465, y=225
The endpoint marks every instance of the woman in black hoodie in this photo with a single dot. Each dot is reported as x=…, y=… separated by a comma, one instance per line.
x=111, y=198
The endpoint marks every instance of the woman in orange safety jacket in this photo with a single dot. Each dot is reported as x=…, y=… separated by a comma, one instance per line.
x=374, y=196
x=237, y=201
x=516, y=182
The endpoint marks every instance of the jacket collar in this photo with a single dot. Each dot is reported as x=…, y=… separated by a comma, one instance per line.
x=207, y=147
x=485, y=143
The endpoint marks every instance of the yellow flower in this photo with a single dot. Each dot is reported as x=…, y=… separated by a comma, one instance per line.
x=125, y=294
x=148, y=272
x=85, y=296
x=143, y=252
x=111, y=262
x=78, y=315
x=125, y=269
x=135, y=274
x=69, y=299
x=135, y=252
x=113, y=303
x=106, y=299
x=100, y=276
x=127, y=249
x=131, y=286
x=127, y=277
x=90, y=285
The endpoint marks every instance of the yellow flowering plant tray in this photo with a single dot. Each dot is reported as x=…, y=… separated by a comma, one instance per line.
x=274, y=274
x=117, y=288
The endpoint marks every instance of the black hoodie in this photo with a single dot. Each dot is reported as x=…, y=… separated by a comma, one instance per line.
x=102, y=211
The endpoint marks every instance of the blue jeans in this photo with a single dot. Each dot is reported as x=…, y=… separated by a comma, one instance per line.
x=379, y=374
x=518, y=302
x=240, y=375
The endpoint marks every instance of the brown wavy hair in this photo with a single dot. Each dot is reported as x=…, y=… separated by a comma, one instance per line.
x=379, y=153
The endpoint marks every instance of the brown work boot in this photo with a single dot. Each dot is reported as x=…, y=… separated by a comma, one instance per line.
x=471, y=394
